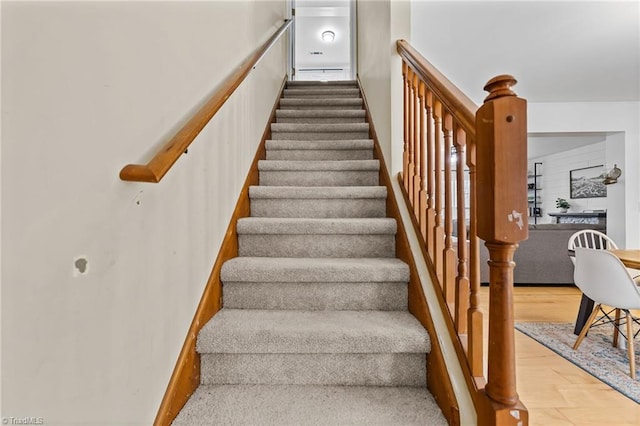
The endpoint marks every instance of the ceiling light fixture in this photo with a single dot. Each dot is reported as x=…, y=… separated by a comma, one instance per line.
x=328, y=36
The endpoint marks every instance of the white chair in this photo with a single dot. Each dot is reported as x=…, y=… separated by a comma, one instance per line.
x=603, y=278
x=590, y=238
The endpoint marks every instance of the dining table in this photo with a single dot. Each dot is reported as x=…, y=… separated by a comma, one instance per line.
x=629, y=258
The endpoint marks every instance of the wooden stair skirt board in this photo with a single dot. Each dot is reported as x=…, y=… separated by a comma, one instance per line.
x=323, y=310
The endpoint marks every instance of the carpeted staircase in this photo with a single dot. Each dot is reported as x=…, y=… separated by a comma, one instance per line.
x=315, y=327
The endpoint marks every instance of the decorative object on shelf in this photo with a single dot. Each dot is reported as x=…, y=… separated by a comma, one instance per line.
x=612, y=175
x=562, y=204
x=587, y=183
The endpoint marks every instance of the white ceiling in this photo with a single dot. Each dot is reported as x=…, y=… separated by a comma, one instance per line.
x=560, y=51
x=541, y=144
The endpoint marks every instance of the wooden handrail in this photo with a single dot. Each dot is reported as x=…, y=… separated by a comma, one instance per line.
x=462, y=108
x=477, y=156
x=164, y=159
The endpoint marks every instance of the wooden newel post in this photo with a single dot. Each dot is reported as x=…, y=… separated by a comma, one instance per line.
x=501, y=132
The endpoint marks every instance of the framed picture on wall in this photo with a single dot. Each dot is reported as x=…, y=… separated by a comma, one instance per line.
x=587, y=182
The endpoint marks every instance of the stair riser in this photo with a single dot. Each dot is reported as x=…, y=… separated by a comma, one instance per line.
x=246, y=331
x=329, y=87
x=320, y=120
x=383, y=296
x=318, y=136
x=323, y=94
x=306, y=104
x=297, y=84
x=309, y=107
x=263, y=270
x=314, y=245
x=319, y=178
x=314, y=208
x=333, y=92
x=315, y=369
x=319, y=155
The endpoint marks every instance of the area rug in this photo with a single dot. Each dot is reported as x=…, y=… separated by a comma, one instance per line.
x=595, y=355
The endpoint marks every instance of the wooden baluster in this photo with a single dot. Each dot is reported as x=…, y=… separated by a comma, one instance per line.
x=501, y=131
x=405, y=151
x=448, y=254
x=438, y=232
x=412, y=142
x=430, y=173
x=462, y=278
x=422, y=195
x=417, y=113
x=475, y=316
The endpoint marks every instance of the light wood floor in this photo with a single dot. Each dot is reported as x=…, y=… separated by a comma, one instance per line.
x=555, y=391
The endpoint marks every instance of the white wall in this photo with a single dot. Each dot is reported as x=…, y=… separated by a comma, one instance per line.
x=87, y=88
x=448, y=33
x=554, y=182
x=310, y=23
x=622, y=121
x=380, y=24
x=558, y=50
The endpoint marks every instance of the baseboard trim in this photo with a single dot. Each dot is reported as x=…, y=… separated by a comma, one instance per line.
x=186, y=373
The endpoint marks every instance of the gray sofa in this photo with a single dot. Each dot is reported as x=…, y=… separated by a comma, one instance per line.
x=543, y=258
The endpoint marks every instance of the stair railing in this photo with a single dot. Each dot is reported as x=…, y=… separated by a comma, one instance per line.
x=166, y=156
x=465, y=178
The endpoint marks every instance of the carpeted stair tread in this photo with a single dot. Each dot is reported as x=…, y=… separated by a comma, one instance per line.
x=319, y=127
x=319, y=113
x=335, y=92
x=319, y=150
x=290, y=331
x=310, y=405
x=321, y=103
x=337, y=145
x=319, y=131
x=318, y=192
x=312, y=270
x=289, y=204
x=320, y=176
x=308, y=166
x=315, y=226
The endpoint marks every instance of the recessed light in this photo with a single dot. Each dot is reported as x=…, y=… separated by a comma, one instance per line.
x=328, y=36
